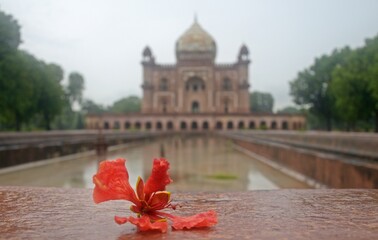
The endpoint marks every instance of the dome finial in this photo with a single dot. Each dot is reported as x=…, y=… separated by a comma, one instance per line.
x=195, y=17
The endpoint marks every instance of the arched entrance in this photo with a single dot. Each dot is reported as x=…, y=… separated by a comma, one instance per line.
x=195, y=107
x=284, y=125
x=205, y=125
x=195, y=84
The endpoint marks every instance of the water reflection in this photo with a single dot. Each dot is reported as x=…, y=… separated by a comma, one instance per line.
x=198, y=163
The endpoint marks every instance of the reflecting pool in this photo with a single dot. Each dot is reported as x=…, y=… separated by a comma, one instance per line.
x=198, y=163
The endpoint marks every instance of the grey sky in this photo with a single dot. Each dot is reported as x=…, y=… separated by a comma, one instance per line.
x=103, y=39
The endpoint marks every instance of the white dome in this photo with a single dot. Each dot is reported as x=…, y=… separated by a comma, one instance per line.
x=196, y=40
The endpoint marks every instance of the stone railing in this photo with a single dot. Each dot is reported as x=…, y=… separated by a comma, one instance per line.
x=316, y=164
x=18, y=148
x=54, y=213
x=352, y=144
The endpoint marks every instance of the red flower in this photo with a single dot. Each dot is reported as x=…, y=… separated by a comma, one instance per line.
x=112, y=183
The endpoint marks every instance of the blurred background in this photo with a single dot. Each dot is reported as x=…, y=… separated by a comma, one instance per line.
x=62, y=62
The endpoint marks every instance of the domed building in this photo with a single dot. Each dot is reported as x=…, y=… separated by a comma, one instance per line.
x=196, y=93
x=195, y=84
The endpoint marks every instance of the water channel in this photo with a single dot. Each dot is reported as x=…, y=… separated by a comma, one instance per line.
x=198, y=163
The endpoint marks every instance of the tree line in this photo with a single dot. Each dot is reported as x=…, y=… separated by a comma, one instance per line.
x=340, y=90
x=31, y=90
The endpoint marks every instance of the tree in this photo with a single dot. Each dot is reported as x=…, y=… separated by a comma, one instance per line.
x=289, y=110
x=371, y=58
x=311, y=87
x=355, y=85
x=19, y=76
x=51, y=97
x=10, y=36
x=261, y=102
x=31, y=94
x=75, y=87
x=126, y=105
x=89, y=106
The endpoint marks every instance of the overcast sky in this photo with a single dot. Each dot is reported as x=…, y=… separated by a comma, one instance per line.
x=103, y=39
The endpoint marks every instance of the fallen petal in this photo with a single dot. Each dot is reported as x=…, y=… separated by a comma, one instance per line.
x=205, y=219
x=112, y=182
x=120, y=220
x=159, y=177
x=144, y=224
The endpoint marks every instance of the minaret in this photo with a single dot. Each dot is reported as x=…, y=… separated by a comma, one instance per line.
x=148, y=61
x=243, y=84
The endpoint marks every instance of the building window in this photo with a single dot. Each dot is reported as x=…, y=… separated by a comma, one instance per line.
x=163, y=86
x=195, y=107
x=227, y=86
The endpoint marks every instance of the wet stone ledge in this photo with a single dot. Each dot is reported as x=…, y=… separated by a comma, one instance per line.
x=56, y=213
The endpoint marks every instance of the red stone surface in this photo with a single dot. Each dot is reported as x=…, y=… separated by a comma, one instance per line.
x=53, y=213
x=334, y=171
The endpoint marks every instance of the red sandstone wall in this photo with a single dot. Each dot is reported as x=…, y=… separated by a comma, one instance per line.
x=325, y=168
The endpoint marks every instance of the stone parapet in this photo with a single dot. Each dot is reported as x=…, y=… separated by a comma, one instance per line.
x=55, y=213
x=329, y=169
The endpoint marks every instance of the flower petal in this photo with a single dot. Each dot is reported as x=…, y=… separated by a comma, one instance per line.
x=144, y=224
x=120, y=220
x=140, y=189
x=205, y=219
x=159, y=200
x=159, y=177
x=112, y=182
